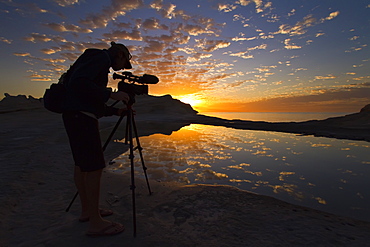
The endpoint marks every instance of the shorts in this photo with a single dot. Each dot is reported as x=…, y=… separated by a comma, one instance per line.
x=85, y=142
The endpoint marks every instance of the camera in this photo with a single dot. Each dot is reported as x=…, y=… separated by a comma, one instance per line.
x=131, y=88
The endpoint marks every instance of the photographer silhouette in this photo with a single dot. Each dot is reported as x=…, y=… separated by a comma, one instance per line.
x=87, y=93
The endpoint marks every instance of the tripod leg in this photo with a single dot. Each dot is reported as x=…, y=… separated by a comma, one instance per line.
x=141, y=154
x=112, y=133
x=129, y=125
x=70, y=204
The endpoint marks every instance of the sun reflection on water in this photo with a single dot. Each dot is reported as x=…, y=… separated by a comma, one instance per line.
x=322, y=173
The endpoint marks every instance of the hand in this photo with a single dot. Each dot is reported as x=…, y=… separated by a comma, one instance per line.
x=122, y=96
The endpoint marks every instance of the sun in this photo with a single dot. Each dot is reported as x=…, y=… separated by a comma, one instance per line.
x=191, y=99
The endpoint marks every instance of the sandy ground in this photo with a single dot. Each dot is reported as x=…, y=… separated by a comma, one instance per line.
x=36, y=187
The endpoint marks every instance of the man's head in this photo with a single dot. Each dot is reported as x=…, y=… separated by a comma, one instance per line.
x=121, y=56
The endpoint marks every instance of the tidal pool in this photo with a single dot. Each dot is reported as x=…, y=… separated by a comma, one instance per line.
x=322, y=173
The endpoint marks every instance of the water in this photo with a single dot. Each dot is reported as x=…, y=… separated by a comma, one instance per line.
x=322, y=173
x=276, y=116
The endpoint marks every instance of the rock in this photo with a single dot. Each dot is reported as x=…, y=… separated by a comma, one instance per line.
x=145, y=104
x=366, y=108
x=19, y=103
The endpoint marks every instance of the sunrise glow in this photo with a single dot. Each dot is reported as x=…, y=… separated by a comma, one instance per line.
x=192, y=100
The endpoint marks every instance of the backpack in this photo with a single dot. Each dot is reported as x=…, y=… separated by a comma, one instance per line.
x=55, y=96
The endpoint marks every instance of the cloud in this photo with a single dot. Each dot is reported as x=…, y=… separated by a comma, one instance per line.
x=4, y=40
x=244, y=39
x=198, y=56
x=50, y=51
x=36, y=37
x=195, y=30
x=212, y=45
x=244, y=55
x=64, y=3
x=21, y=54
x=260, y=6
x=123, y=35
x=354, y=38
x=299, y=28
x=111, y=12
x=28, y=55
x=258, y=47
x=154, y=46
x=168, y=11
x=330, y=17
x=153, y=23
x=62, y=27
x=69, y=56
x=37, y=77
x=328, y=77
x=226, y=7
x=290, y=46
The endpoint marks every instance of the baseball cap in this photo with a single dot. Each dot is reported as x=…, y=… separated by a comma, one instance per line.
x=123, y=48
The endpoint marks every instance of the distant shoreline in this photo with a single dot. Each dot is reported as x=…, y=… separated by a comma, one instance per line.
x=355, y=126
x=275, y=116
x=352, y=127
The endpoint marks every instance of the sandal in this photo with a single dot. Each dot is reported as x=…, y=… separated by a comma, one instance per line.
x=113, y=229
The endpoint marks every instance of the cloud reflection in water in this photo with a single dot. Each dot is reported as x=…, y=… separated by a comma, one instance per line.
x=323, y=173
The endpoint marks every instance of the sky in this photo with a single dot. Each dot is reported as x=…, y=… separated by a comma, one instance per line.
x=233, y=56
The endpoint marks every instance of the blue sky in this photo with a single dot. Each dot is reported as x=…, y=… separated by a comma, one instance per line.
x=244, y=55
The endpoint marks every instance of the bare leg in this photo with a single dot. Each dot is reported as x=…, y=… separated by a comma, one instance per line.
x=88, y=185
x=80, y=182
x=93, y=195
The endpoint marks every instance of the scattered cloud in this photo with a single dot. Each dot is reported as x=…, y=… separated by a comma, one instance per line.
x=65, y=3
x=21, y=54
x=123, y=35
x=290, y=46
x=328, y=77
x=153, y=23
x=299, y=28
x=5, y=40
x=111, y=12
x=62, y=27
x=354, y=38
x=260, y=6
x=212, y=45
x=244, y=55
x=331, y=16
x=226, y=7
x=196, y=53
x=36, y=37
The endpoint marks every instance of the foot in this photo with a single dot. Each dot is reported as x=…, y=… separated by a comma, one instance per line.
x=110, y=228
x=103, y=213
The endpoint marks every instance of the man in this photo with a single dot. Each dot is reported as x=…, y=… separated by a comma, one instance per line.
x=86, y=83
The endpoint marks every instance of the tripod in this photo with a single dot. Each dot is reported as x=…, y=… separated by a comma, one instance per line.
x=130, y=130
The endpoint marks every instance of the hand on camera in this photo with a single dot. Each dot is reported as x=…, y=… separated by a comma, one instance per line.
x=122, y=96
